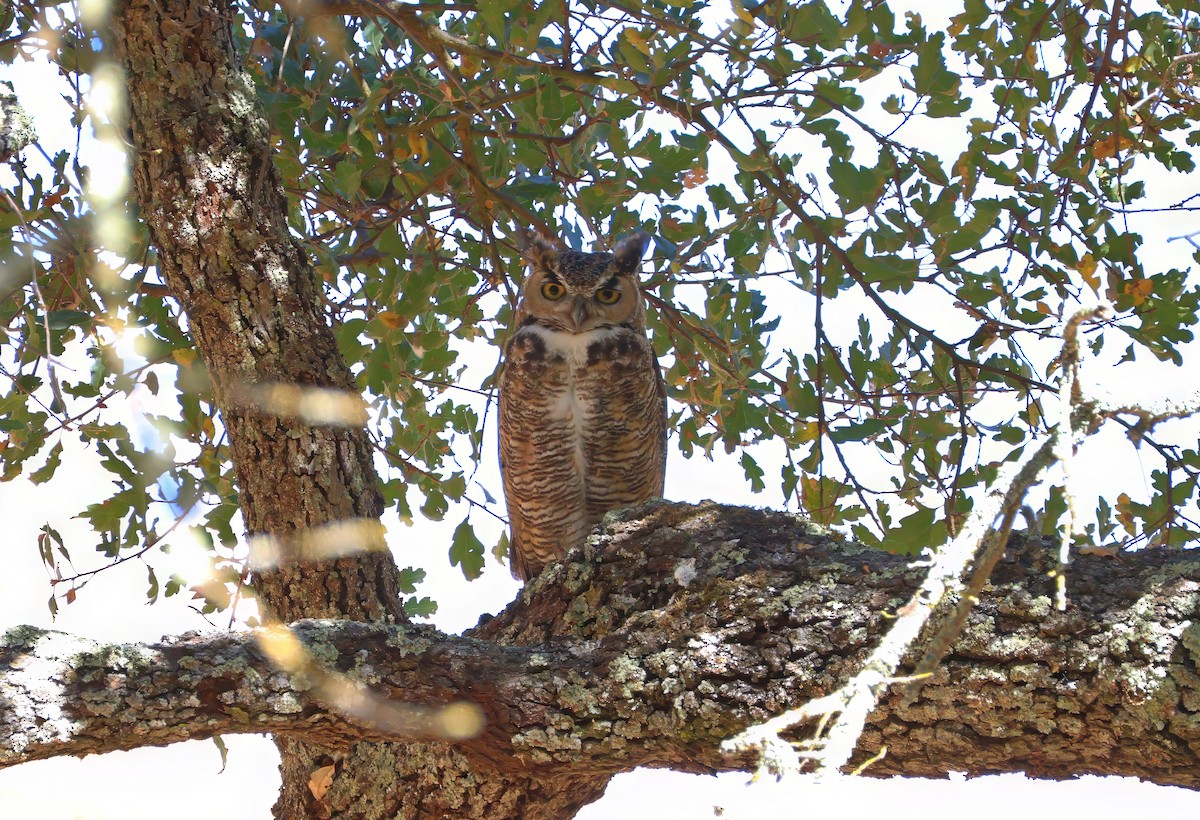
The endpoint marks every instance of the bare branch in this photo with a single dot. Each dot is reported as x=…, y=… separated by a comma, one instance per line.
x=953, y=579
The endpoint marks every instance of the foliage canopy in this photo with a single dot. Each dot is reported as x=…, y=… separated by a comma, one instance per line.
x=868, y=231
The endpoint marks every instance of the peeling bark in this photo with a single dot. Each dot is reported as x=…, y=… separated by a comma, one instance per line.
x=674, y=628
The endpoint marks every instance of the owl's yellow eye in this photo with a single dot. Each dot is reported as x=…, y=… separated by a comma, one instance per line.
x=608, y=296
x=553, y=291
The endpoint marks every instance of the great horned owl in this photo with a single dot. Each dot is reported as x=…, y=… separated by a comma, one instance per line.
x=583, y=406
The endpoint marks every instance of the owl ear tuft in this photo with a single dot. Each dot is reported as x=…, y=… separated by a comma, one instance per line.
x=629, y=252
x=537, y=250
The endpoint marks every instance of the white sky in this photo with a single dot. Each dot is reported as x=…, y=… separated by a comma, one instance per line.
x=184, y=781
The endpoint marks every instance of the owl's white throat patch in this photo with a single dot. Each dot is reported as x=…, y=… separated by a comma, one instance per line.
x=571, y=346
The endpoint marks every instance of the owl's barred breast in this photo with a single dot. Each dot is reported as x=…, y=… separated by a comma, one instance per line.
x=585, y=415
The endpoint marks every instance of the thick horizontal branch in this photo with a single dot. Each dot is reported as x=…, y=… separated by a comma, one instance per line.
x=675, y=627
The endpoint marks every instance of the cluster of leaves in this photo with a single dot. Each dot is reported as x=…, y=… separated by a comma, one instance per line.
x=81, y=330
x=831, y=287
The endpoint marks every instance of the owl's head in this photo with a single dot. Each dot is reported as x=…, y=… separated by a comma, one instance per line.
x=576, y=292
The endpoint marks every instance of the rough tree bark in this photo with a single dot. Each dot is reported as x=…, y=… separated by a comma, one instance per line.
x=674, y=628
x=217, y=215
x=677, y=664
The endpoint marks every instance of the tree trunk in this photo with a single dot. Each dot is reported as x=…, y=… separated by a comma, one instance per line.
x=217, y=215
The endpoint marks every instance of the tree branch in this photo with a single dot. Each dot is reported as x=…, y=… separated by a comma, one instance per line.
x=674, y=628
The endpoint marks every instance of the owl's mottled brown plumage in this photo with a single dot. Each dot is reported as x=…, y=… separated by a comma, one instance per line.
x=583, y=406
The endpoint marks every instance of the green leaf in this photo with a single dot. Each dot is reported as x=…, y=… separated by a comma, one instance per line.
x=409, y=578
x=494, y=14
x=861, y=431
x=811, y=22
x=754, y=473
x=47, y=470
x=854, y=186
x=466, y=551
x=914, y=533
x=63, y=319
x=420, y=607
x=932, y=79
x=348, y=178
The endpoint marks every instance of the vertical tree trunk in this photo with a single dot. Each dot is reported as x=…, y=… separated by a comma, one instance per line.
x=217, y=214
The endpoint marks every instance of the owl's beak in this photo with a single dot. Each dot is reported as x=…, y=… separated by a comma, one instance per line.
x=581, y=311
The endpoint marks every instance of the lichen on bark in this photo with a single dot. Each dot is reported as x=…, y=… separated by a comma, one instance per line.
x=674, y=671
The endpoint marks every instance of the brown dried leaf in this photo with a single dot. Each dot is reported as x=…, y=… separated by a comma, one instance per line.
x=1104, y=552
x=320, y=781
x=389, y=319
